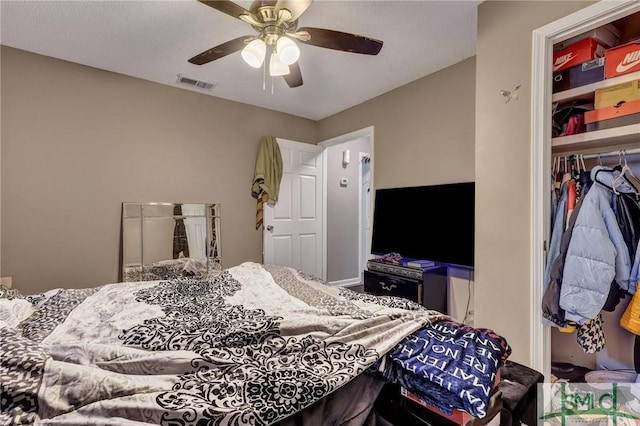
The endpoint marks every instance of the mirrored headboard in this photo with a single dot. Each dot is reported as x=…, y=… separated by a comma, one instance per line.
x=165, y=240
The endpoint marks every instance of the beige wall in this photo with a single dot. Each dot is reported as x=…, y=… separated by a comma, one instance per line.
x=424, y=131
x=502, y=157
x=343, y=248
x=78, y=141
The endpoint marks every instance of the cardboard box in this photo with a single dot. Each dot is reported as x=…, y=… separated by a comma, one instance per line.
x=613, y=95
x=615, y=111
x=458, y=417
x=624, y=120
x=580, y=75
x=582, y=51
x=622, y=59
x=608, y=36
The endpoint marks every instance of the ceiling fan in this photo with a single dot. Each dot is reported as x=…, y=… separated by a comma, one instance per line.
x=276, y=22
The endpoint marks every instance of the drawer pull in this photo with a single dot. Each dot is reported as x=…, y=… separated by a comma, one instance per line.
x=387, y=287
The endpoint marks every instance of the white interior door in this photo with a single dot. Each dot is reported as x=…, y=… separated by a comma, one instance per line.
x=195, y=224
x=292, y=230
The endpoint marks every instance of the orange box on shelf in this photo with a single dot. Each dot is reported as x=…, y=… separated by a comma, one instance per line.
x=622, y=59
x=625, y=108
x=582, y=51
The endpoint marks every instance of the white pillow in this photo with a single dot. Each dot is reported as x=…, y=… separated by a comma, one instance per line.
x=13, y=311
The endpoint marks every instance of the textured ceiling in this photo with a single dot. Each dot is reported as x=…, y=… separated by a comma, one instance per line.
x=153, y=40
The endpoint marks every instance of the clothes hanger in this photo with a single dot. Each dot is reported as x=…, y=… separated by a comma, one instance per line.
x=575, y=167
x=618, y=167
x=603, y=169
x=625, y=173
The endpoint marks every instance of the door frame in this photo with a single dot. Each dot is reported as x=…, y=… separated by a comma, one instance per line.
x=543, y=40
x=365, y=132
x=364, y=237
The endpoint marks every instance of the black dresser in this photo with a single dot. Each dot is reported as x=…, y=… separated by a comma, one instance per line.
x=425, y=286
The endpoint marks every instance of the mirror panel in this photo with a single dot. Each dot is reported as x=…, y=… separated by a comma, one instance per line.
x=165, y=240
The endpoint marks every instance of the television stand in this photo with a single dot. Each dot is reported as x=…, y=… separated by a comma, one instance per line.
x=427, y=286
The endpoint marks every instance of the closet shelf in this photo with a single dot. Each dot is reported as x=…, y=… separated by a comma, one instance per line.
x=623, y=135
x=587, y=92
x=619, y=136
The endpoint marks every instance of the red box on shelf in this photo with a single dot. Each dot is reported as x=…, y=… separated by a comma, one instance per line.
x=582, y=51
x=622, y=59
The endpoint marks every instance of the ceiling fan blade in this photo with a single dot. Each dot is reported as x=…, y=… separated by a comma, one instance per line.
x=294, y=78
x=221, y=50
x=228, y=7
x=338, y=40
x=296, y=7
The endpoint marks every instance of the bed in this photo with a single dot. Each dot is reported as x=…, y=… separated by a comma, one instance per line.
x=254, y=344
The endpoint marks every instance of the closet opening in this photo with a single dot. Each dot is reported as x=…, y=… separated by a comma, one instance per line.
x=586, y=336
x=543, y=150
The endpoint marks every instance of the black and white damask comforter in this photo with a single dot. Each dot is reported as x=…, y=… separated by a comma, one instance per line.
x=249, y=346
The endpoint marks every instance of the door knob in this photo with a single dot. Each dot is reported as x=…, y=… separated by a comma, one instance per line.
x=269, y=227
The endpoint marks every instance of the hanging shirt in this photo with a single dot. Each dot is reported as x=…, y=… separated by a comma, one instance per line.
x=572, y=196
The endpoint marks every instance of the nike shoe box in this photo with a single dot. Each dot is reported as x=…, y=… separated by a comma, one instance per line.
x=622, y=59
x=613, y=95
x=580, y=75
x=577, y=53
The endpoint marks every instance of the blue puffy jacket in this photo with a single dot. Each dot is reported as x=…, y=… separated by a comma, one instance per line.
x=597, y=253
x=635, y=273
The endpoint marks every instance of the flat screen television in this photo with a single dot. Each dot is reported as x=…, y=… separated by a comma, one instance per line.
x=434, y=222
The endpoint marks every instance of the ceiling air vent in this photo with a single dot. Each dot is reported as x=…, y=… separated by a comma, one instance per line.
x=196, y=83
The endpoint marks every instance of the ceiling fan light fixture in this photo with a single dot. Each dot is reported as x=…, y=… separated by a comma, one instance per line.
x=288, y=51
x=254, y=53
x=277, y=67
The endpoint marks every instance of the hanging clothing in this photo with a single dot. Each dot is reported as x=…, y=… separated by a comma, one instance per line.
x=590, y=335
x=572, y=196
x=267, y=175
x=180, y=242
x=596, y=254
x=556, y=233
x=552, y=314
x=631, y=232
x=585, y=182
x=551, y=310
x=627, y=210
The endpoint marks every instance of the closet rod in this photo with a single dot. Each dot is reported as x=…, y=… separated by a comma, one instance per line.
x=605, y=154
